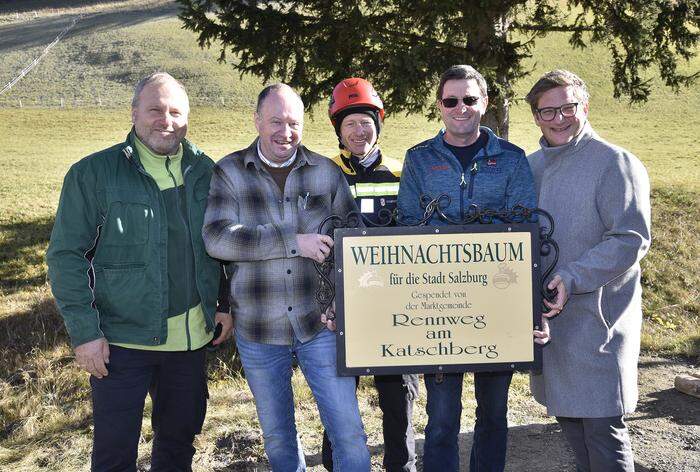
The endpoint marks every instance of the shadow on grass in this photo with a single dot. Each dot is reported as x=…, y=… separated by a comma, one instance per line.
x=40, y=328
x=677, y=407
x=30, y=371
x=21, y=263
x=41, y=31
x=36, y=363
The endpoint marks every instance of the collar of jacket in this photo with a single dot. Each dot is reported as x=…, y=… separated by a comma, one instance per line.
x=250, y=156
x=346, y=164
x=191, y=155
x=492, y=148
x=572, y=147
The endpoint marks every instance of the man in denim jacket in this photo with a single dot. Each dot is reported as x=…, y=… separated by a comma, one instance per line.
x=472, y=166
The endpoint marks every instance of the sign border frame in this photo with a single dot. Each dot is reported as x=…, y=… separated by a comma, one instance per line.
x=341, y=233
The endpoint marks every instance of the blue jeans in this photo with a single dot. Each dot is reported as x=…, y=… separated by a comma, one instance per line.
x=268, y=370
x=444, y=407
x=396, y=396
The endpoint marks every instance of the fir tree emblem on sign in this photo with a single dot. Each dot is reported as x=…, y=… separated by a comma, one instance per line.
x=369, y=279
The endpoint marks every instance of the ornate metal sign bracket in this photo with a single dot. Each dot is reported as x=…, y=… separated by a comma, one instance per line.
x=436, y=206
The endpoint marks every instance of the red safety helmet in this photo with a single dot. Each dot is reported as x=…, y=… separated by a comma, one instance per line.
x=354, y=93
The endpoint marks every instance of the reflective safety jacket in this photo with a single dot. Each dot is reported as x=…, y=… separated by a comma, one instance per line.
x=375, y=188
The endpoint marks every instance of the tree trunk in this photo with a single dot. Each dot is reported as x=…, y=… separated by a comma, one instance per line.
x=488, y=42
x=497, y=116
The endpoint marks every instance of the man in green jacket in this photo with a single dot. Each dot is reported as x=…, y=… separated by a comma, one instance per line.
x=134, y=284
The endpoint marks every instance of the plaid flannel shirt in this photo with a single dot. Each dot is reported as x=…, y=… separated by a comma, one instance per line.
x=250, y=223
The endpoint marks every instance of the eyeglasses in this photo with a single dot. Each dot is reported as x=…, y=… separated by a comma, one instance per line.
x=567, y=110
x=453, y=101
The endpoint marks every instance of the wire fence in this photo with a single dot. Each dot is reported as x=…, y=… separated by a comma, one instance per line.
x=10, y=98
x=43, y=54
x=111, y=101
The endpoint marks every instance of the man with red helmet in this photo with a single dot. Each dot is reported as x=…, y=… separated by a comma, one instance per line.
x=357, y=114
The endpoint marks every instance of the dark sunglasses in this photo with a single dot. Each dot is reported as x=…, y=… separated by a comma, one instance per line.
x=453, y=102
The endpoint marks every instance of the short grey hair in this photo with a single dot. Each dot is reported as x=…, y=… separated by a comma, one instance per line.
x=154, y=78
x=557, y=78
x=274, y=88
x=462, y=72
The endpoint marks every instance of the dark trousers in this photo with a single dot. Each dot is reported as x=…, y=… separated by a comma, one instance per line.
x=599, y=444
x=177, y=384
x=396, y=396
x=444, y=407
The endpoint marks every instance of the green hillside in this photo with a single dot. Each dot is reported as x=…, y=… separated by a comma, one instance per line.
x=100, y=59
x=106, y=53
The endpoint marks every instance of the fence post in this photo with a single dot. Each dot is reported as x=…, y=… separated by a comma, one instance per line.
x=61, y=102
x=20, y=103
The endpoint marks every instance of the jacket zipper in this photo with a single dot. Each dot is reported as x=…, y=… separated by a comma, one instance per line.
x=472, y=176
x=128, y=152
x=187, y=226
x=462, y=186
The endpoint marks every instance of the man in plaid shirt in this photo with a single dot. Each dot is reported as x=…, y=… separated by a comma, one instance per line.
x=264, y=209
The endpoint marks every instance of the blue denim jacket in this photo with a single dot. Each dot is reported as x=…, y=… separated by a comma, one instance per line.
x=499, y=178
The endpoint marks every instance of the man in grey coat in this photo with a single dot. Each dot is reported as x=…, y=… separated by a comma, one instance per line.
x=598, y=194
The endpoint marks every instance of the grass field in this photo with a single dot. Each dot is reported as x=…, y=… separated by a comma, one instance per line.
x=44, y=407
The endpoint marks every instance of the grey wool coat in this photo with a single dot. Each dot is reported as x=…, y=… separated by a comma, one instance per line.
x=598, y=195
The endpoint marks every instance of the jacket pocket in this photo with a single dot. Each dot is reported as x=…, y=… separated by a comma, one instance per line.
x=128, y=218
x=489, y=189
x=312, y=210
x=122, y=295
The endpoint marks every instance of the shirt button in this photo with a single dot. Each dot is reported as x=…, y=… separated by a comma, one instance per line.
x=294, y=251
x=287, y=199
x=289, y=308
x=289, y=271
